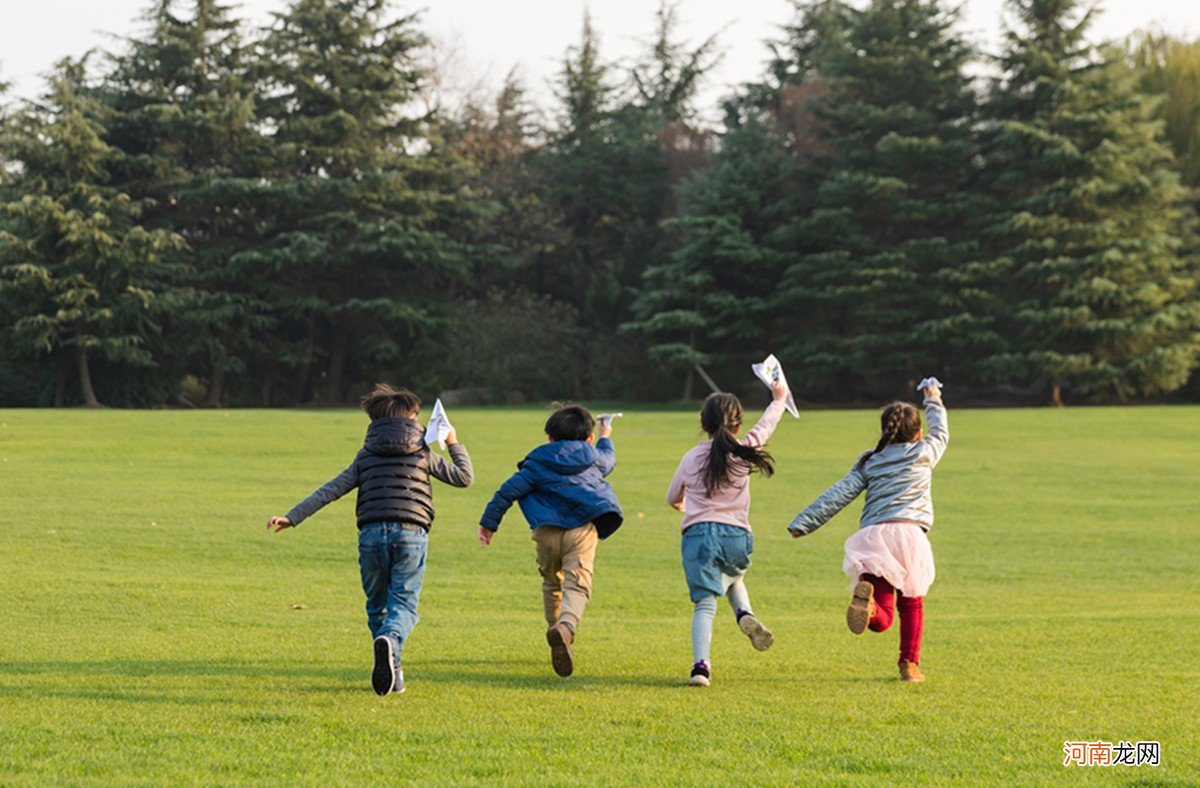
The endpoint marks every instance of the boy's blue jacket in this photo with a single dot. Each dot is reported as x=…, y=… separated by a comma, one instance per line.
x=561, y=483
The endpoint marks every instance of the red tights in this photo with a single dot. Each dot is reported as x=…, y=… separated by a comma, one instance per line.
x=912, y=616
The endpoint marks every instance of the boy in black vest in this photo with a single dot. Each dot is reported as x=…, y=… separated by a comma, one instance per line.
x=395, y=512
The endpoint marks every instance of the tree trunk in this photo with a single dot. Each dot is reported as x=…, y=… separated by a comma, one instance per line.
x=216, y=382
x=1056, y=395
x=85, y=378
x=689, y=381
x=337, y=364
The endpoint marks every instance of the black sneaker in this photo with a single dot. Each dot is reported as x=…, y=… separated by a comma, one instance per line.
x=701, y=676
x=383, y=677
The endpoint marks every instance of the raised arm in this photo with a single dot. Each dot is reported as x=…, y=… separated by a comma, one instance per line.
x=326, y=494
x=608, y=456
x=939, y=429
x=457, y=472
x=761, y=432
x=517, y=487
x=829, y=503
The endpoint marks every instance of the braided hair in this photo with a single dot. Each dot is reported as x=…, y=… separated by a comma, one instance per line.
x=720, y=417
x=899, y=423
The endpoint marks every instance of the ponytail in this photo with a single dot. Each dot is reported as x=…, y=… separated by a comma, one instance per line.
x=899, y=423
x=720, y=416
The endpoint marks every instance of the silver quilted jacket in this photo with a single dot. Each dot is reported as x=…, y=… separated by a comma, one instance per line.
x=898, y=480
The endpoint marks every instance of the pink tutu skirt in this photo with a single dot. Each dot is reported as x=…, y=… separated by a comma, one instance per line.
x=900, y=553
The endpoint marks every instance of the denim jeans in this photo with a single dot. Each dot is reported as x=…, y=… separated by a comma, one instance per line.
x=392, y=558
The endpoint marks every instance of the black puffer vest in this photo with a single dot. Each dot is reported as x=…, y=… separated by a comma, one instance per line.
x=393, y=474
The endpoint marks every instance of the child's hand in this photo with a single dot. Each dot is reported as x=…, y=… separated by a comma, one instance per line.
x=485, y=536
x=605, y=430
x=779, y=391
x=680, y=506
x=452, y=437
x=933, y=392
x=279, y=523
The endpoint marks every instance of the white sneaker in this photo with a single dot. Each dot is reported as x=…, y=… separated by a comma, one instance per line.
x=700, y=675
x=760, y=637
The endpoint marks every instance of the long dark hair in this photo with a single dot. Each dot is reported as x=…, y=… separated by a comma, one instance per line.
x=720, y=416
x=899, y=422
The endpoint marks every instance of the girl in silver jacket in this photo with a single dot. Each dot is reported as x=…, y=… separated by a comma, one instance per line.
x=890, y=555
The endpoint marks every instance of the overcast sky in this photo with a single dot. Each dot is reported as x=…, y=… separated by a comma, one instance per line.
x=492, y=36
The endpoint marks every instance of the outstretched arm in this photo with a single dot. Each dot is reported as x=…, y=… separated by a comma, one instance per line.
x=939, y=426
x=829, y=503
x=517, y=487
x=324, y=495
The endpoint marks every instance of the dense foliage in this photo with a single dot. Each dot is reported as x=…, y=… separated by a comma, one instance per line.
x=219, y=215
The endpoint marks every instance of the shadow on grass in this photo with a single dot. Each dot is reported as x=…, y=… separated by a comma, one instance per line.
x=509, y=674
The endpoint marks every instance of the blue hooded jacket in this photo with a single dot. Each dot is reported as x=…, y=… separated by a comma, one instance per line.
x=561, y=483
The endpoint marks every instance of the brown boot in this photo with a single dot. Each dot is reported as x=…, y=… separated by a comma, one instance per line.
x=910, y=672
x=560, y=637
x=862, y=607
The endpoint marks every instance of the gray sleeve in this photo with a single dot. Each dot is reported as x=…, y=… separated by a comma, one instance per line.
x=829, y=503
x=939, y=429
x=458, y=472
x=326, y=494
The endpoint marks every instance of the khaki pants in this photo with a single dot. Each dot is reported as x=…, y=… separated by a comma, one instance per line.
x=565, y=558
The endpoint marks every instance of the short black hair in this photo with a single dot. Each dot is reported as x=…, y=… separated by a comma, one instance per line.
x=385, y=401
x=572, y=423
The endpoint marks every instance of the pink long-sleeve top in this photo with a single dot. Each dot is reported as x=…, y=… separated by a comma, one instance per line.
x=731, y=503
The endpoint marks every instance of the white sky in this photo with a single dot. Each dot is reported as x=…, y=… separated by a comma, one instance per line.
x=491, y=36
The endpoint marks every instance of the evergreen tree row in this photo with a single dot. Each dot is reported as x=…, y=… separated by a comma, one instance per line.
x=215, y=215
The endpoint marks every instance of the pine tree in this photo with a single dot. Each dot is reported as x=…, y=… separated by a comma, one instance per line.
x=582, y=176
x=1090, y=220
x=366, y=200
x=708, y=301
x=185, y=119
x=878, y=112
x=78, y=275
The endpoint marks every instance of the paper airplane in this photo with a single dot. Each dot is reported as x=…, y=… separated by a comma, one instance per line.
x=439, y=426
x=769, y=371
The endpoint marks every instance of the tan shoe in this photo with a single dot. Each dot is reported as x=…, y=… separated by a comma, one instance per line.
x=910, y=672
x=760, y=637
x=862, y=607
x=560, y=637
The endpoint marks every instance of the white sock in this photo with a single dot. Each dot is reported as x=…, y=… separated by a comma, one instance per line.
x=702, y=627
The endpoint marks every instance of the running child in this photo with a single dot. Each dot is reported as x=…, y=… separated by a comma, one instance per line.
x=711, y=487
x=395, y=513
x=889, y=559
x=561, y=489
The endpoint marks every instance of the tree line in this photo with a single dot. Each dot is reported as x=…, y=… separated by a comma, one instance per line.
x=219, y=215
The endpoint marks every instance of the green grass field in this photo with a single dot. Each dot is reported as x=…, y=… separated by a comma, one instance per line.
x=152, y=630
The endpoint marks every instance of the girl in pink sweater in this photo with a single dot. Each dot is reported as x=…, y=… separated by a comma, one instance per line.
x=712, y=488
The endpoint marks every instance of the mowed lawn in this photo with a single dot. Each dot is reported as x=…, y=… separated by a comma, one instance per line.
x=152, y=630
